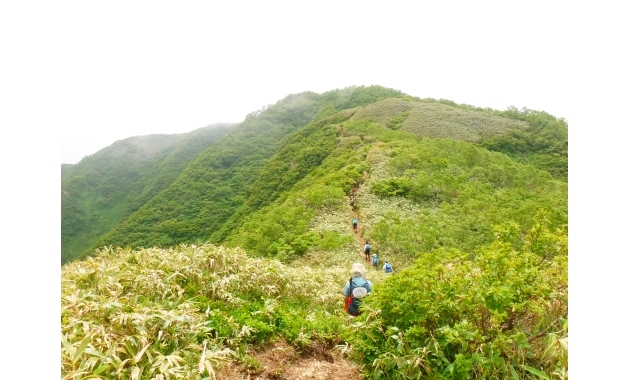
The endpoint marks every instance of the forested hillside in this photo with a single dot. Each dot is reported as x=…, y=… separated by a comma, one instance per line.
x=105, y=188
x=249, y=246
x=222, y=185
x=217, y=183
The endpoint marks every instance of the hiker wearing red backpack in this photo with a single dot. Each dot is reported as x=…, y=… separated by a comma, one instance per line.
x=356, y=288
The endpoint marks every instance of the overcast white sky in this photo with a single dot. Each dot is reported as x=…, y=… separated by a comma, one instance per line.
x=78, y=75
x=125, y=68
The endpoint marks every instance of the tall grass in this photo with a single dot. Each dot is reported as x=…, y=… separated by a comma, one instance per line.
x=183, y=312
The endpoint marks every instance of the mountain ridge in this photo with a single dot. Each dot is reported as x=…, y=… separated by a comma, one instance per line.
x=390, y=108
x=247, y=249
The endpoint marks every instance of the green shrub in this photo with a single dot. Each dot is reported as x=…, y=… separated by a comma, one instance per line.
x=157, y=313
x=320, y=196
x=491, y=313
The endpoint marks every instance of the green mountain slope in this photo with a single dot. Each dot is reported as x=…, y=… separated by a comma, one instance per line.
x=215, y=185
x=276, y=147
x=527, y=136
x=415, y=195
x=106, y=187
x=469, y=205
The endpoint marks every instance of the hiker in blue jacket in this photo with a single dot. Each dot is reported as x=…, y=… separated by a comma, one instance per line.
x=387, y=268
x=366, y=250
x=356, y=288
x=375, y=261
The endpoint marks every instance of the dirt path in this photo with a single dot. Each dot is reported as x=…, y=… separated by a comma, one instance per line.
x=281, y=361
x=358, y=234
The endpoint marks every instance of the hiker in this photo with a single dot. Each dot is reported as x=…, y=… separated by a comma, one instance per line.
x=387, y=268
x=355, y=222
x=375, y=261
x=356, y=288
x=352, y=200
x=366, y=250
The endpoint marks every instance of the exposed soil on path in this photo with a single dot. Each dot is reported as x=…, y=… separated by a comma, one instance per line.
x=358, y=234
x=280, y=361
x=360, y=240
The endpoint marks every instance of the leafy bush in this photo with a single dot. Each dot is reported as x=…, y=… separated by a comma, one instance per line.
x=184, y=312
x=397, y=121
x=543, y=143
x=493, y=313
x=457, y=192
x=392, y=187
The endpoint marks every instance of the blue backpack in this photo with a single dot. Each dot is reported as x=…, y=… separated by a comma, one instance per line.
x=354, y=299
x=388, y=268
x=374, y=260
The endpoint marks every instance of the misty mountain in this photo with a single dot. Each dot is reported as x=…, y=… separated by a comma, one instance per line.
x=106, y=187
x=217, y=250
x=162, y=190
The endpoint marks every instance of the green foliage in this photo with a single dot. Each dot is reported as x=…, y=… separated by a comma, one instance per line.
x=354, y=96
x=108, y=186
x=392, y=187
x=186, y=197
x=187, y=311
x=331, y=240
x=528, y=136
x=304, y=151
x=436, y=120
x=397, y=121
x=248, y=168
x=543, y=144
x=459, y=193
x=280, y=231
x=214, y=185
x=491, y=313
x=477, y=238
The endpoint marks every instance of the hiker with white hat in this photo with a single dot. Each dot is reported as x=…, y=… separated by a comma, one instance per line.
x=356, y=288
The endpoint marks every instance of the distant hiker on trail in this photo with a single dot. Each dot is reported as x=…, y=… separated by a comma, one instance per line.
x=354, y=191
x=352, y=200
x=375, y=261
x=355, y=222
x=356, y=288
x=387, y=268
x=366, y=250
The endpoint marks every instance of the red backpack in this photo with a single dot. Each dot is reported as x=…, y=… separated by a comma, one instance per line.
x=354, y=299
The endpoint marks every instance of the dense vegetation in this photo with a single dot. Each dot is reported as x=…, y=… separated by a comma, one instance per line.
x=105, y=188
x=495, y=312
x=544, y=143
x=533, y=137
x=182, y=312
x=451, y=189
x=474, y=221
x=216, y=185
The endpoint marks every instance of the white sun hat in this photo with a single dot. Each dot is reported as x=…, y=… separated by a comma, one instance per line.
x=357, y=269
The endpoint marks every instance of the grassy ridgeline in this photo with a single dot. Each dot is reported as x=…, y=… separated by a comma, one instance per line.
x=187, y=194
x=477, y=239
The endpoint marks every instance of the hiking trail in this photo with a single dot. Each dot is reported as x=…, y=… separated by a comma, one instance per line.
x=280, y=360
